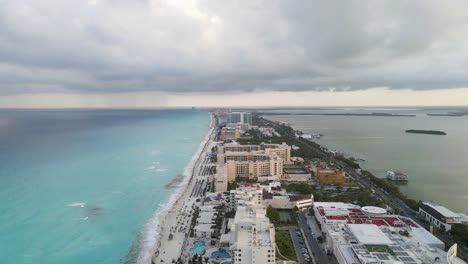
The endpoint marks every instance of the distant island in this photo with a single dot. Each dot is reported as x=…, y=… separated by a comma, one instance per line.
x=337, y=114
x=429, y=132
x=448, y=114
x=458, y=113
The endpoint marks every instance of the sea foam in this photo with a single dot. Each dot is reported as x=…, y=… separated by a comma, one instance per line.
x=77, y=204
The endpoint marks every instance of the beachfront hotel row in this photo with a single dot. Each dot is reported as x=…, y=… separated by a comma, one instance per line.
x=251, y=215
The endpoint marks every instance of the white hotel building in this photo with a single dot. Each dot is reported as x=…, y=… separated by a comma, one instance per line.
x=252, y=236
x=356, y=236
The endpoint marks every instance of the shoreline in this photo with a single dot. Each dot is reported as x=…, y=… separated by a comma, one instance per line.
x=412, y=190
x=158, y=225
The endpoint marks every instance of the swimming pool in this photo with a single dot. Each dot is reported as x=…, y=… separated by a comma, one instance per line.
x=198, y=248
x=220, y=254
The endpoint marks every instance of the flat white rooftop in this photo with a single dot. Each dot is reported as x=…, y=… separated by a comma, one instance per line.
x=369, y=234
x=442, y=210
x=203, y=228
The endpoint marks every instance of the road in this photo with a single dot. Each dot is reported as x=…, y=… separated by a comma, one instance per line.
x=393, y=202
x=312, y=244
x=299, y=244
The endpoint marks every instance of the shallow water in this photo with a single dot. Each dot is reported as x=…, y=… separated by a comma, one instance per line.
x=436, y=165
x=78, y=186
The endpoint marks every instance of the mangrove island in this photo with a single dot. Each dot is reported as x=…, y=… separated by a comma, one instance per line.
x=429, y=132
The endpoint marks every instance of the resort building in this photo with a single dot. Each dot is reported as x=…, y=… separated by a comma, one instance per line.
x=252, y=169
x=440, y=216
x=230, y=133
x=203, y=230
x=221, y=179
x=253, y=194
x=282, y=150
x=328, y=176
x=251, y=236
x=355, y=235
x=268, y=131
x=287, y=202
x=236, y=147
x=239, y=118
x=253, y=161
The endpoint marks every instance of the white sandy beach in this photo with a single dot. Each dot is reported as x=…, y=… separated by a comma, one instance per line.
x=176, y=218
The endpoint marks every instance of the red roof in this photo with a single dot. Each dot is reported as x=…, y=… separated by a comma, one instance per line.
x=357, y=216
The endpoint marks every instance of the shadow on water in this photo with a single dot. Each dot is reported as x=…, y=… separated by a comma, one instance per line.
x=175, y=182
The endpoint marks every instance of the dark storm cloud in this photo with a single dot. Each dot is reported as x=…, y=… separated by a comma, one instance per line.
x=216, y=46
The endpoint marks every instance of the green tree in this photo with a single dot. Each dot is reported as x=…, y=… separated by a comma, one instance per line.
x=273, y=214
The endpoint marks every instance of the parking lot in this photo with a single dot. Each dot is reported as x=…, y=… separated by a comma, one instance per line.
x=302, y=253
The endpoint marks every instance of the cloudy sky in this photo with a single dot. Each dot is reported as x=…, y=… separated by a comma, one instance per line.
x=144, y=53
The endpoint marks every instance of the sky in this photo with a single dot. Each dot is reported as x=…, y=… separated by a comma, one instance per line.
x=151, y=53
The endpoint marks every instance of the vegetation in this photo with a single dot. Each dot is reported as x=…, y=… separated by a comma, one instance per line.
x=194, y=221
x=299, y=188
x=273, y=214
x=359, y=196
x=351, y=163
x=310, y=150
x=232, y=186
x=429, y=132
x=307, y=149
x=459, y=233
x=392, y=190
x=285, y=244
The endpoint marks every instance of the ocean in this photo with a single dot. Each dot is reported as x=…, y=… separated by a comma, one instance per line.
x=437, y=166
x=84, y=186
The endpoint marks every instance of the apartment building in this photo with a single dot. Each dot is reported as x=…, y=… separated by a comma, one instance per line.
x=251, y=236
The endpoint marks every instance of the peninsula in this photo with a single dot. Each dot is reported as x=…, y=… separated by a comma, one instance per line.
x=429, y=132
x=336, y=114
x=257, y=193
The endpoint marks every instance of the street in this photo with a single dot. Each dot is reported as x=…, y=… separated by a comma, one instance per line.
x=310, y=240
x=299, y=245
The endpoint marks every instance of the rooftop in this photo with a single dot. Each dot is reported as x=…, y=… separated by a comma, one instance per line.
x=369, y=234
x=442, y=210
x=385, y=239
x=352, y=214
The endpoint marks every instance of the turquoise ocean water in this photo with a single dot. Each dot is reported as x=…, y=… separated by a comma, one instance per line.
x=79, y=186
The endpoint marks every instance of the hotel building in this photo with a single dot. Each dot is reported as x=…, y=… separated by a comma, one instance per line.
x=230, y=133
x=368, y=235
x=253, y=161
x=440, y=216
x=251, y=236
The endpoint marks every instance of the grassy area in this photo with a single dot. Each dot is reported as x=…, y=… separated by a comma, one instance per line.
x=299, y=187
x=285, y=244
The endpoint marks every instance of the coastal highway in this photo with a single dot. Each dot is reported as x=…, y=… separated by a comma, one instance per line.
x=393, y=202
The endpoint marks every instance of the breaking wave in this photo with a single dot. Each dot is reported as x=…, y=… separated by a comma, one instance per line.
x=150, y=235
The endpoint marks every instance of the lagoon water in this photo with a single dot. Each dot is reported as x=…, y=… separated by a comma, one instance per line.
x=78, y=186
x=437, y=166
